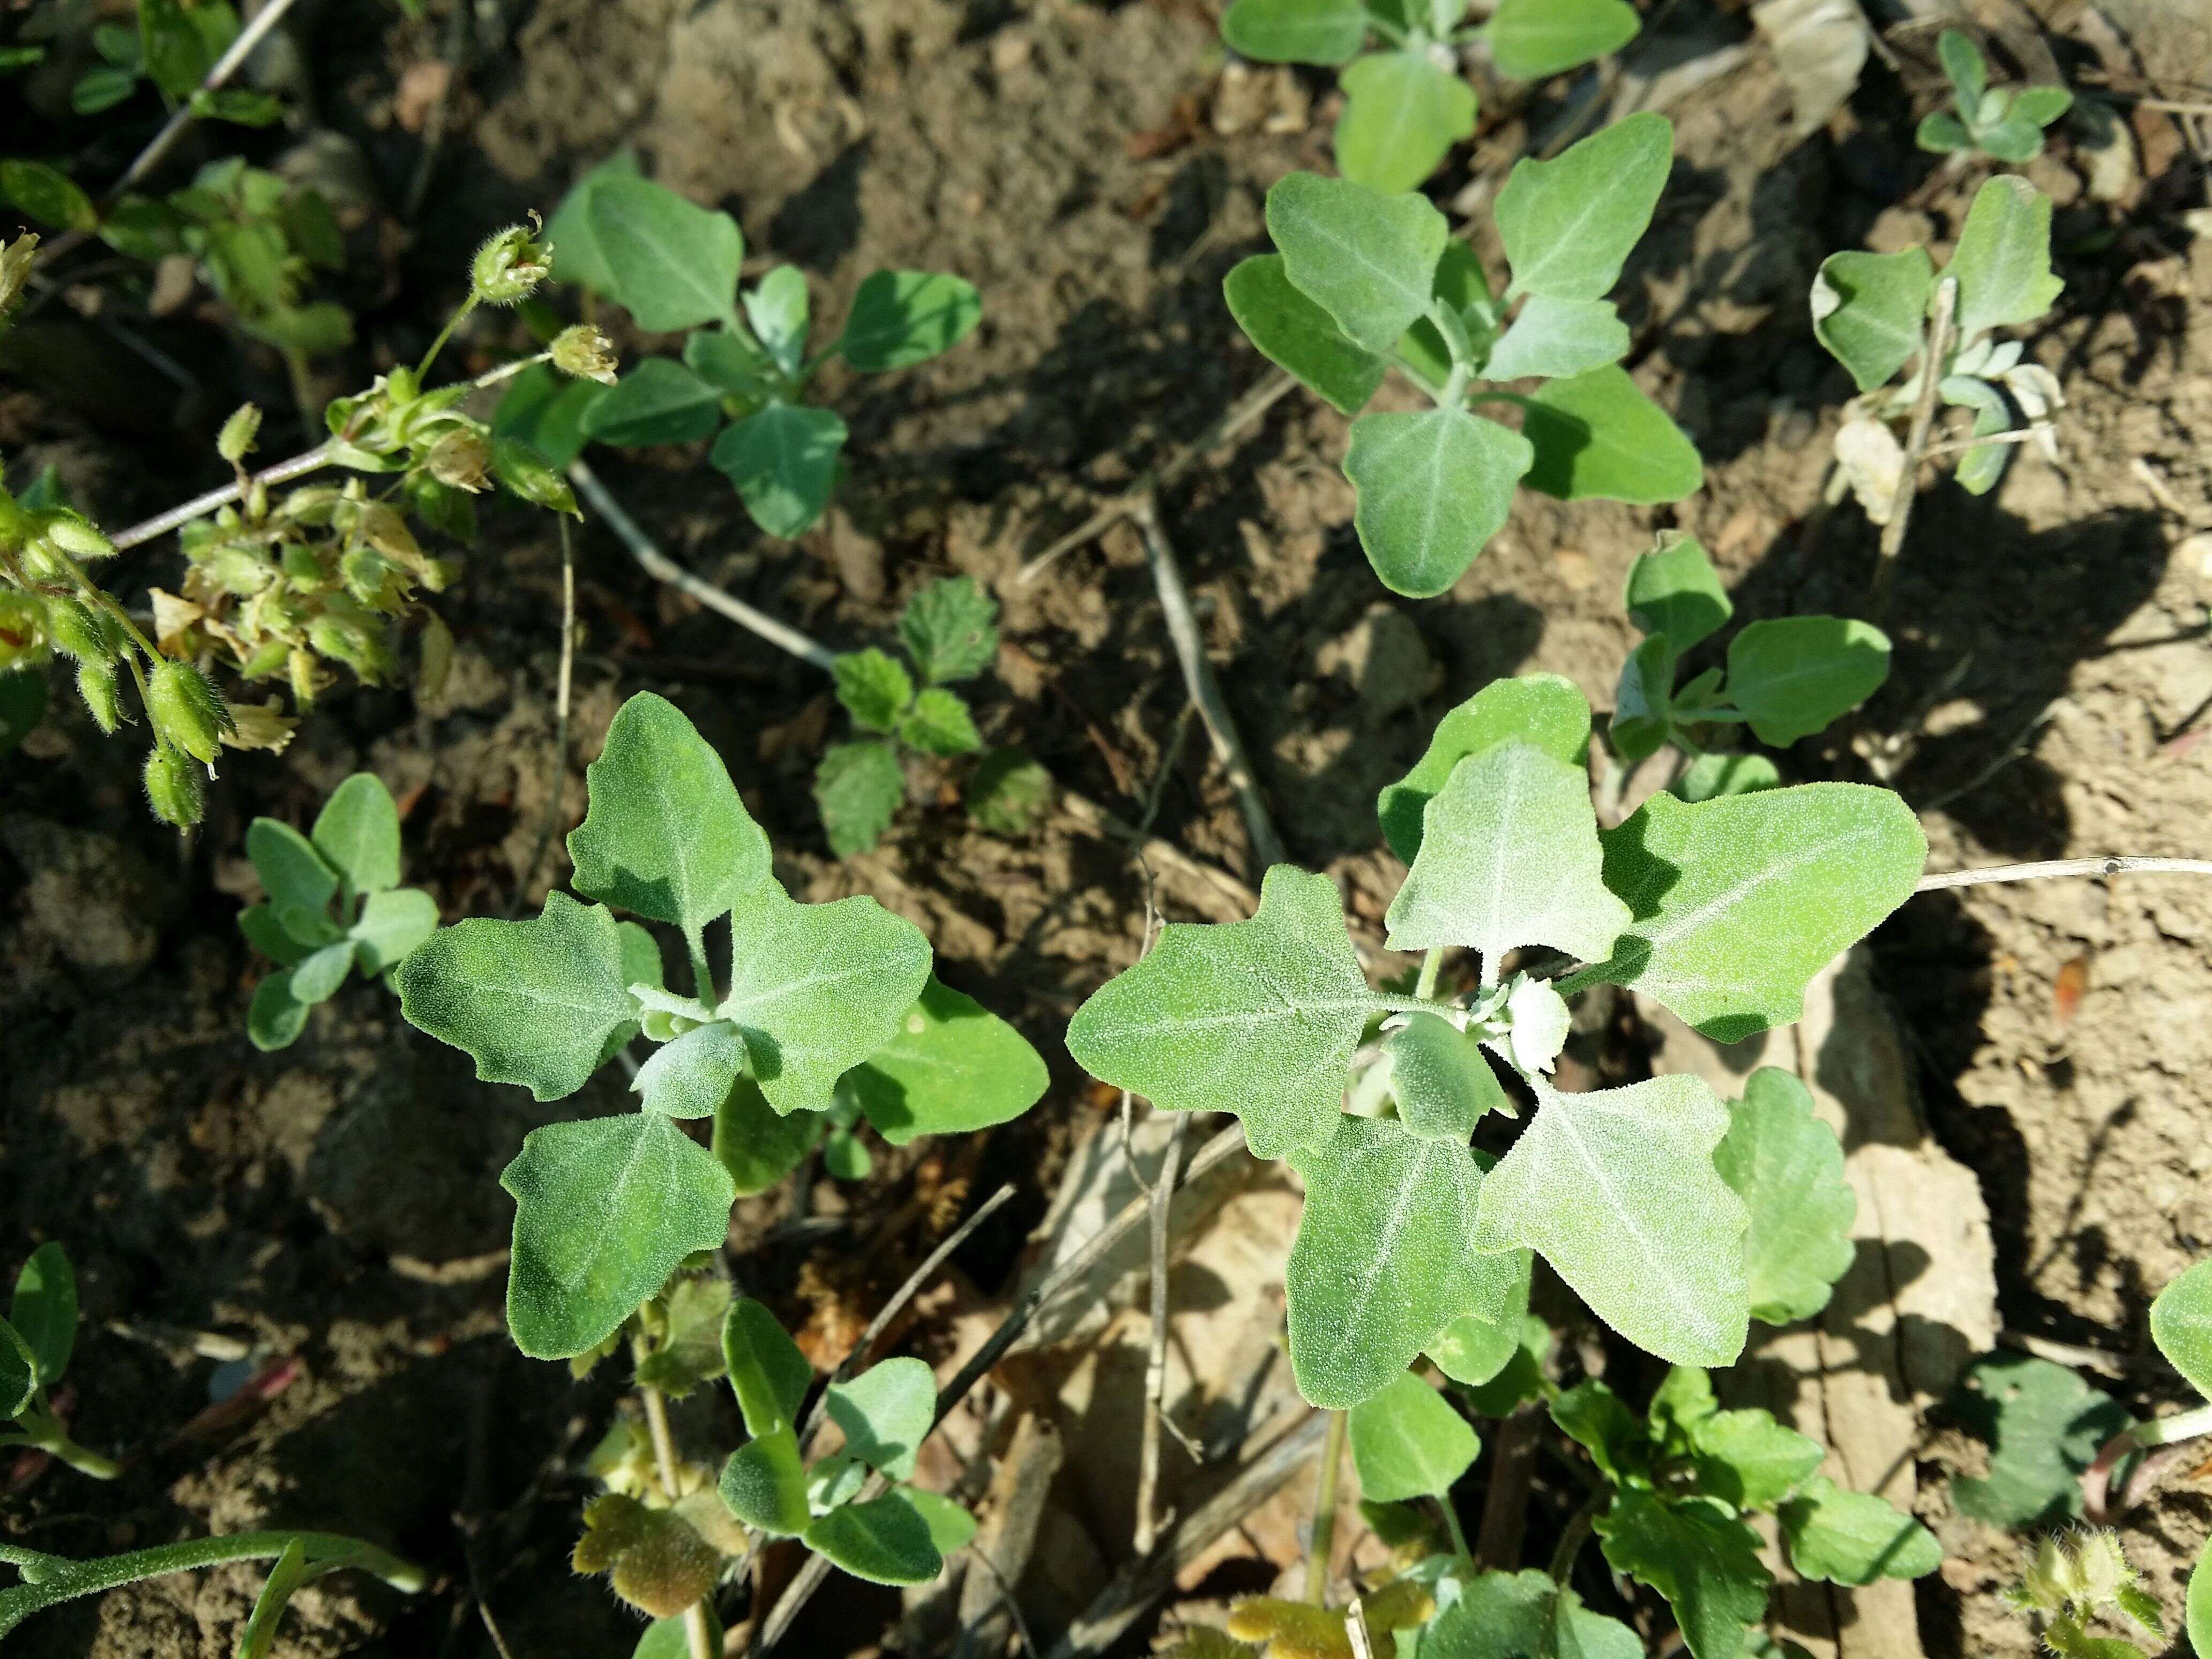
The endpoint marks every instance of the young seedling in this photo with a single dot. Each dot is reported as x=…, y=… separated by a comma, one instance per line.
x=1364, y=283
x=172, y=48
x=950, y=630
x=2074, y=1581
x=1877, y=312
x=744, y=366
x=1785, y=678
x=332, y=903
x=36, y=1341
x=2005, y=124
x=1405, y=103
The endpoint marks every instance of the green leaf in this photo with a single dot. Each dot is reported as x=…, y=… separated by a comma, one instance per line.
x=1980, y=467
x=2198, y=1609
x=951, y=1527
x=1962, y=61
x=783, y=462
x=1297, y=334
x=1568, y=224
x=1683, y=1400
x=858, y=789
x=102, y=88
x=1854, y=1538
x=818, y=988
x=1510, y=856
x=1740, y=901
x=293, y=873
x=1432, y=488
x=951, y=1067
x=537, y=1003
x=1546, y=711
x=777, y=307
x=756, y=1144
x=1407, y=1442
x=606, y=1209
x=658, y=402
x=1592, y=1416
x=1553, y=337
x=1702, y=1559
x=1476, y=1347
x=267, y=935
x=670, y=264
x=939, y=724
x=2002, y=263
x=1402, y=112
x=764, y=1485
x=1382, y=1263
x=688, y=1349
x=318, y=978
x=1295, y=31
x=1748, y=1460
x=1644, y=702
x=1443, y=1084
x=1532, y=39
x=1257, y=1017
x=1792, y=674
x=545, y=410
x=693, y=1075
x=1597, y=437
x=1616, y=1189
x=665, y=836
x=1710, y=776
x=901, y=318
x=885, y=1542
x=767, y=1373
x=44, y=1310
x=886, y=1412
x=179, y=44
x=1521, y=1379
x=1367, y=258
x=19, y=1373
x=358, y=833
x=1942, y=132
x=874, y=689
x=576, y=255
x=1674, y=591
x=2043, y=1426
x=950, y=630
x=730, y=363
x=22, y=706
x=391, y=926
x=1869, y=309
x=275, y=1018
x=1787, y=1167
x=1463, y=288
x=1009, y=794
x=2181, y=1326
x=845, y=1156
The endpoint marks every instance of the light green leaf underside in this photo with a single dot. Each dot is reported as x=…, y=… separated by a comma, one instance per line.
x=886, y=1412
x=1554, y=338
x=1869, y=310
x=1443, y=1084
x=693, y=1075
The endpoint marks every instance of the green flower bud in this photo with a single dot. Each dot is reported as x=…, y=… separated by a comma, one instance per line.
x=75, y=632
x=585, y=353
x=239, y=434
x=186, y=710
x=174, y=787
x=16, y=259
x=525, y=473
x=508, y=267
x=78, y=537
x=96, y=684
x=462, y=460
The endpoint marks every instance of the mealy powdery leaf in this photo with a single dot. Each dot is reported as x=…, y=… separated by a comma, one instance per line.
x=1616, y=1189
x=1553, y=337
x=1295, y=31
x=1367, y=258
x=764, y=1485
x=951, y=1067
x=1740, y=901
x=1532, y=39
x=1433, y=487
x=886, y=1412
x=1871, y=309
x=818, y=988
x=1384, y=1259
x=1545, y=711
x=874, y=689
x=885, y=1540
x=767, y=1373
x=950, y=630
x=1407, y=1442
x=783, y=462
x=658, y=402
x=1749, y=1460
x=1674, y=591
x=2002, y=263
x=1793, y=675
x=533, y=1002
x=858, y=788
x=1702, y=1559
x=901, y=318
x=1854, y=1538
x=2043, y=1426
x=1568, y=224
x=1787, y=1166
x=671, y=264
x=1257, y=1017
x=606, y=1209
x=758, y=1145
x=2181, y=1326
x=665, y=836
x=1597, y=437
x=44, y=1310
x=777, y=308
x=1443, y=1084
x=693, y=1075
x=358, y=833
x=1510, y=856
x=1297, y=334
x=391, y=925
x=1478, y=1347
x=1402, y=112
x=293, y=873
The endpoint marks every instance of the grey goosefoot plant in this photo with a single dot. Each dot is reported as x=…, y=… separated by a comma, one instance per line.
x=37, y=1340
x=745, y=366
x=1363, y=282
x=1406, y=105
x=825, y=1014
x=2005, y=124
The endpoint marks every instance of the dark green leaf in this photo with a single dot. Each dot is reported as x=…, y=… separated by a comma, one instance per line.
x=764, y=1485
x=950, y=630
x=293, y=875
x=900, y=318
x=858, y=789
x=44, y=1310
x=756, y=1144
x=767, y=1373
x=19, y=1373
x=1591, y=1415
x=672, y=265
x=1702, y=1559
x=546, y=409
x=1854, y=1538
x=1710, y=776
x=1297, y=334
x=658, y=402
x=885, y=1542
x=1674, y=591
x=951, y=1068
x=2043, y=1426
x=576, y=255
x=1476, y=1347
x=1596, y=437
x=22, y=706
x=275, y=1018
x=939, y=724
x=873, y=688
x=783, y=462
x=1749, y=1460
x=1009, y=794
x=102, y=88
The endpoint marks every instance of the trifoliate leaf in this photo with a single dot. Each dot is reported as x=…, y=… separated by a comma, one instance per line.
x=1568, y=224
x=1592, y=1416
x=951, y=629
x=537, y=1003
x=1673, y=590
x=606, y=1209
x=1553, y=337
x=672, y=265
x=858, y=788
x=783, y=462
x=1476, y=1347
x=1854, y=1538
x=1257, y=1017
x=818, y=988
x=1366, y=257
x=1407, y=1442
x=1870, y=310
x=951, y=1067
x=767, y=1373
x=1509, y=857
x=1532, y=39
x=1295, y=334
x=688, y=1350
x=44, y=1311
x=1701, y=1558
x=1616, y=1189
x=1792, y=674
x=1402, y=112
x=691, y=1076
x=1739, y=902
x=2003, y=264
x=885, y=1542
x=1749, y=1460
x=886, y=1412
x=1787, y=1167
x=1432, y=488
x=873, y=688
x=2043, y=1426
x=1545, y=711
x=1295, y=31
x=939, y=724
x=901, y=318
x=1597, y=437
x=358, y=833
x=2181, y=1326
x=1443, y=1084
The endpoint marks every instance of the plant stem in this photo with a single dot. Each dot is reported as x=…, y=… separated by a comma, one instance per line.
x=1452, y=1525
x=2053, y=867
x=2136, y=1437
x=422, y=369
x=1324, y=1518
x=1432, y=967
x=1149, y=1521
x=699, y=1636
x=1572, y=1539
x=43, y=1431
x=1933, y=353
x=702, y=975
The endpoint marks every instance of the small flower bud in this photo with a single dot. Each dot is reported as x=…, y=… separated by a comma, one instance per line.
x=16, y=259
x=96, y=684
x=510, y=267
x=74, y=632
x=239, y=434
x=585, y=353
x=525, y=474
x=462, y=460
x=186, y=710
x=173, y=787
x=78, y=537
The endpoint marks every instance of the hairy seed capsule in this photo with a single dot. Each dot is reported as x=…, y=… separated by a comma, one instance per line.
x=174, y=787
x=186, y=710
x=74, y=632
x=96, y=684
x=509, y=266
x=78, y=537
x=239, y=434
x=585, y=353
